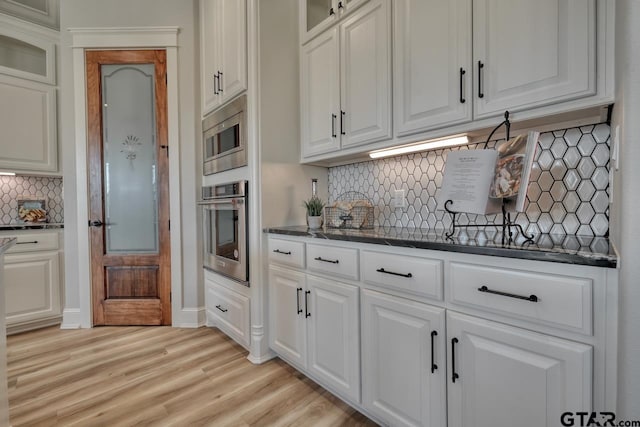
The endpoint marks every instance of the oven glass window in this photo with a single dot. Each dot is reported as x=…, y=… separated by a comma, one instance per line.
x=228, y=139
x=223, y=226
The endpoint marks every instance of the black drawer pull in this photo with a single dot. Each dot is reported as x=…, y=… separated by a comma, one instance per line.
x=306, y=304
x=27, y=243
x=433, y=364
x=454, y=375
x=382, y=270
x=299, y=310
x=219, y=307
x=531, y=297
x=278, y=251
x=327, y=260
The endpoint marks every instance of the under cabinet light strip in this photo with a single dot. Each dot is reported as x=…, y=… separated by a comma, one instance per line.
x=8, y=173
x=428, y=145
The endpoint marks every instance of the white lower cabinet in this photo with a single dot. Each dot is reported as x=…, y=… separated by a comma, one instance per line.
x=314, y=324
x=403, y=360
x=227, y=309
x=287, y=328
x=32, y=283
x=502, y=376
x=33, y=278
x=446, y=339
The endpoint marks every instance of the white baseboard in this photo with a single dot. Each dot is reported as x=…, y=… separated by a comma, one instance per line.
x=190, y=318
x=71, y=319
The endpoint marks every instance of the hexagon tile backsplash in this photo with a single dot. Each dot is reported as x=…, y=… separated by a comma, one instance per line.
x=568, y=191
x=14, y=187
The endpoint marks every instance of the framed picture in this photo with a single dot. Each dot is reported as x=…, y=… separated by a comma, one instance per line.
x=32, y=210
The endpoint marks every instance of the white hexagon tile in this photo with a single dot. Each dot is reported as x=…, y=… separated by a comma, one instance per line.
x=568, y=192
x=14, y=187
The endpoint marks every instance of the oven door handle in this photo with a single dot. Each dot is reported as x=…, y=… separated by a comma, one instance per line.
x=234, y=201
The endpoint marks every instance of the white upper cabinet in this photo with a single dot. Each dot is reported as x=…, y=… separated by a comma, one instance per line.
x=365, y=70
x=223, y=45
x=432, y=64
x=500, y=376
x=318, y=15
x=532, y=53
x=29, y=126
x=27, y=51
x=320, y=94
x=346, y=83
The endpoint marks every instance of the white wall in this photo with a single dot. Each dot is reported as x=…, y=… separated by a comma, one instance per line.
x=625, y=224
x=134, y=13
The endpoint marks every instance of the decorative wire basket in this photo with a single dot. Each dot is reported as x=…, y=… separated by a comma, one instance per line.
x=350, y=210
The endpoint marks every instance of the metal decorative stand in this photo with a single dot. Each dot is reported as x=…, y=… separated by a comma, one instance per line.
x=507, y=224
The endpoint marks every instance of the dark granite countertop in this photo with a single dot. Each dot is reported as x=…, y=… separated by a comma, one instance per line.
x=42, y=226
x=6, y=243
x=583, y=250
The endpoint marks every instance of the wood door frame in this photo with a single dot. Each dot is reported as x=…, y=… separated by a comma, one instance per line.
x=94, y=59
x=78, y=311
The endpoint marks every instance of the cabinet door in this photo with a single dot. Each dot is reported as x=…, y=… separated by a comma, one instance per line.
x=209, y=46
x=28, y=123
x=333, y=330
x=32, y=286
x=398, y=383
x=320, y=95
x=432, y=64
x=365, y=75
x=233, y=48
x=533, y=53
x=509, y=376
x=287, y=333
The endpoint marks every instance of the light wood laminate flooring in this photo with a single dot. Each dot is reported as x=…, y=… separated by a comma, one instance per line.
x=118, y=376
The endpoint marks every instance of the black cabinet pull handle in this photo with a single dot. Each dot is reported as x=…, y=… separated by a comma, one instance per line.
x=531, y=297
x=327, y=260
x=306, y=304
x=332, y=12
x=454, y=375
x=333, y=125
x=462, y=73
x=340, y=5
x=382, y=270
x=433, y=364
x=299, y=310
x=480, y=67
x=220, y=81
x=278, y=251
x=219, y=307
x=342, y=114
x=27, y=243
x=215, y=87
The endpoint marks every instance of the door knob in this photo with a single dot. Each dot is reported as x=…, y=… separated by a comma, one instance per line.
x=96, y=223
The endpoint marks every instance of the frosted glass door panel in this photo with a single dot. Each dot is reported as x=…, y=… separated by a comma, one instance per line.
x=130, y=163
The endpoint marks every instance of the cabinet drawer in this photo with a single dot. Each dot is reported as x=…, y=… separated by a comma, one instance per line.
x=286, y=252
x=418, y=276
x=341, y=262
x=559, y=301
x=229, y=311
x=33, y=242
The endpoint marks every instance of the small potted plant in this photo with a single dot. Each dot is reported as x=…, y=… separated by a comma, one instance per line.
x=314, y=212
